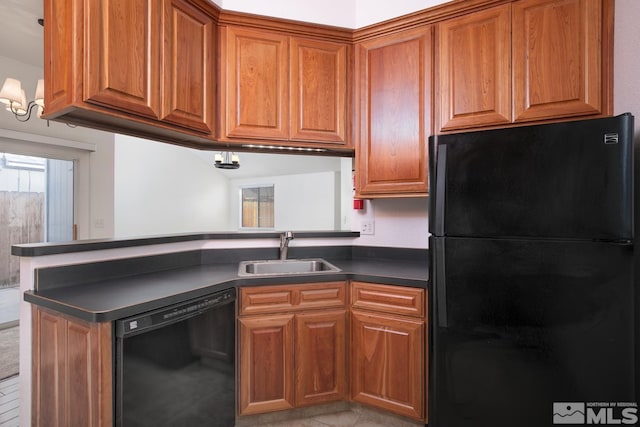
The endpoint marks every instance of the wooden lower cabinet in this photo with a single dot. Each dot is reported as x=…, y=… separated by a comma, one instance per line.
x=388, y=348
x=293, y=347
x=293, y=352
x=292, y=341
x=387, y=366
x=72, y=371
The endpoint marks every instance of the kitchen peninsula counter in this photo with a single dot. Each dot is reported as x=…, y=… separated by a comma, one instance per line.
x=109, y=290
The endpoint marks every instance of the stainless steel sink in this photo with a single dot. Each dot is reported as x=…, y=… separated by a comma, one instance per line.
x=284, y=267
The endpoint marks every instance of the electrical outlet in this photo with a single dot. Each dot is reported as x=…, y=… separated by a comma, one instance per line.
x=367, y=227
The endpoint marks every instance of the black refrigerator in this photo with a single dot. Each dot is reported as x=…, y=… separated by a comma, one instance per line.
x=534, y=298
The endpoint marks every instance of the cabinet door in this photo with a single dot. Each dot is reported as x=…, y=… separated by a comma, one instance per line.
x=189, y=76
x=59, y=74
x=318, y=90
x=49, y=368
x=394, y=91
x=265, y=364
x=387, y=365
x=254, y=84
x=320, y=354
x=122, y=55
x=557, y=58
x=72, y=371
x=474, y=74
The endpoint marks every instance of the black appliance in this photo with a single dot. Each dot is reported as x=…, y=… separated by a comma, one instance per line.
x=534, y=297
x=175, y=366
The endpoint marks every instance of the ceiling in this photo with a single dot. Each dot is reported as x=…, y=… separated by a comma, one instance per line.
x=22, y=35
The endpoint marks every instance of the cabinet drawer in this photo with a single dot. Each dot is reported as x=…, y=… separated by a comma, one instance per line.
x=286, y=298
x=331, y=294
x=388, y=298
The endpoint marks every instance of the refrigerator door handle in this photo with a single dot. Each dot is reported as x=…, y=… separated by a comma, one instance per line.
x=441, y=170
x=440, y=287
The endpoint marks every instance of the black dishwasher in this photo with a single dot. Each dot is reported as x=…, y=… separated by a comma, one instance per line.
x=175, y=365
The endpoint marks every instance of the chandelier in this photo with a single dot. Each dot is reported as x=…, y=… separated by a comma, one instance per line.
x=14, y=97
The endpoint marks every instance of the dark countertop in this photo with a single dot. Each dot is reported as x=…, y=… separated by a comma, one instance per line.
x=42, y=249
x=138, y=288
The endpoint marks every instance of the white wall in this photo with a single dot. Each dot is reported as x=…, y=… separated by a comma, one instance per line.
x=369, y=12
x=397, y=223
x=349, y=14
x=329, y=12
x=162, y=189
x=626, y=92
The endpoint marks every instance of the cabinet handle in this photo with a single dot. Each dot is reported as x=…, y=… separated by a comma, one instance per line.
x=439, y=189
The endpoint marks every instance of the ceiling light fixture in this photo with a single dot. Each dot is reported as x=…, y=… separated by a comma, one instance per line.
x=13, y=96
x=227, y=161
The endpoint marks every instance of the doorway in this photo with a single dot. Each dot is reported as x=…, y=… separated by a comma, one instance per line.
x=36, y=205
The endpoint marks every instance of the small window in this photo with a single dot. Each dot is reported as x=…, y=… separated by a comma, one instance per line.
x=257, y=207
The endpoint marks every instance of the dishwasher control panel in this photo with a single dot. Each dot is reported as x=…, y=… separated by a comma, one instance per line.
x=174, y=313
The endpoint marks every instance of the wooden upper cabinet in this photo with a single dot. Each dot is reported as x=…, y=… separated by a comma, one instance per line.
x=557, y=58
x=254, y=78
x=529, y=60
x=140, y=67
x=394, y=110
x=59, y=73
x=123, y=55
x=189, y=91
x=475, y=69
x=161, y=69
x=277, y=87
x=318, y=90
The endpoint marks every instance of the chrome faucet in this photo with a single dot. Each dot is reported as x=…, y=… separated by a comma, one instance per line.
x=284, y=243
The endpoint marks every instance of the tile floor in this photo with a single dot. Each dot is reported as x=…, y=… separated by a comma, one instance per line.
x=9, y=402
x=355, y=417
x=9, y=392
x=341, y=414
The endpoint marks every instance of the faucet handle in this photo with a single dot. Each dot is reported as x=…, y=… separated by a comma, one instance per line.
x=288, y=235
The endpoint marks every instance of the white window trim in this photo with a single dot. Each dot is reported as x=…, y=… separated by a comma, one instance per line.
x=240, y=188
